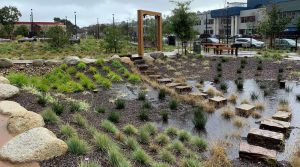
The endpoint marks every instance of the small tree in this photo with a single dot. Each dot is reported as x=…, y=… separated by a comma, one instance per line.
x=273, y=23
x=113, y=39
x=22, y=30
x=182, y=21
x=59, y=37
x=9, y=15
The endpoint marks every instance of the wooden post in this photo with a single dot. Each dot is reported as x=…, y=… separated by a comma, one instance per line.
x=140, y=33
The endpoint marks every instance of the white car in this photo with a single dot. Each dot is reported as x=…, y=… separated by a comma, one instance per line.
x=250, y=42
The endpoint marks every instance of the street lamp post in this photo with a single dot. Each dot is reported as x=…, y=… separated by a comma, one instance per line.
x=206, y=25
x=75, y=26
x=227, y=25
x=31, y=20
x=98, y=30
x=115, y=40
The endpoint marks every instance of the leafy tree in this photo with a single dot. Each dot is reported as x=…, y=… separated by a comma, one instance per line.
x=183, y=20
x=9, y=15
x=22, y=30
x=69, y=25
x=167, y=27
x=59, y=37
x=113, y=39
x=273, y=23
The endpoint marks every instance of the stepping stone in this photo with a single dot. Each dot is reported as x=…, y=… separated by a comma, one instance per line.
x=173, y=84
x=133, y=58
x=265, y=138
x=181, y=89
x=164, y=80
x=155, y=76
x=244, y=110
x=282, y=116
x=256, y=153
x=218, y=100
x=199, y=94
x=275, y=125
x=142, y=67
x=148, y=72
x=139, y=61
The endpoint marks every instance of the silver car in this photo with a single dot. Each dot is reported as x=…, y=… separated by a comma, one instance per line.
x=250, y=42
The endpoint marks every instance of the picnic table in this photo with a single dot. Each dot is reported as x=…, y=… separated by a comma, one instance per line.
x=219, y=48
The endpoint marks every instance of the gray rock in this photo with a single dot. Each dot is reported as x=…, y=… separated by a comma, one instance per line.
x=115, y=57
x=5, y=63
x=53, y=62
x=126, y=60
x=8, y=91
x=37, y=144
x=38, y=62
x=71, y=60
x=23, y=121
x=88, y=60
x=3, y=80
x=156, y=55
x=148, y=59
x=10, y=108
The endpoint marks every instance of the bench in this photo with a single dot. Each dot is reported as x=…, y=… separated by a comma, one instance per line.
x=208, y=47
x=226, y=48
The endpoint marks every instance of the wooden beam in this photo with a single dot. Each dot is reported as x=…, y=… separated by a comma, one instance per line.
x=140, y=33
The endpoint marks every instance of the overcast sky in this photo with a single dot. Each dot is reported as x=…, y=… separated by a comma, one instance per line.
x=89, y=10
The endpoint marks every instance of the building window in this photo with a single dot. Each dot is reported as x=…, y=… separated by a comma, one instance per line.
x=248, y=19
x=224, y=20
x=289, y=14
x=210, y=21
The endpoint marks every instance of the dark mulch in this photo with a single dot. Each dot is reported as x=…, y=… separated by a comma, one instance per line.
x=28, y=69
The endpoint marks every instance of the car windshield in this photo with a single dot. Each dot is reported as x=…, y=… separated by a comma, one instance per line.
x=214, y=40
x=290, y=41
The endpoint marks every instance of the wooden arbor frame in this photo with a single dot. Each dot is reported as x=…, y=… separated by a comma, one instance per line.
x=141, y=15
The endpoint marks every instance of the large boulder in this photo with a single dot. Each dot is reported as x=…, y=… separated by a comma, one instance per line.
x=3, y=80
x=126, y=60
x=53, y=62
x=156, y=55
x=38, y=62
x=22, y=121
x=5, y=63
x=7, y=91
x=148, y=59
x=11, y=108
x=72, y=60
x=88, y=60
x=114, y=57
x=37, y=144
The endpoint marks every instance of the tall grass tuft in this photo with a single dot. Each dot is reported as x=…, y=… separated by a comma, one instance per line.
x=68, y=131
x=77, y=146
x=199, y=119
x=50, y=117
x=109, y=126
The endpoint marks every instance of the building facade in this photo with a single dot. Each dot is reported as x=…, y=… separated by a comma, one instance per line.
x=39, y=27
x=241, y=18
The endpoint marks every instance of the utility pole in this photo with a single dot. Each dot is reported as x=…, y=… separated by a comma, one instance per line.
x=98, y=30
x=66, y=21
x=31, y=20
x=115, y=40
x=206, y=26
x=113, y=20
x=227, y=24
x=75, y=26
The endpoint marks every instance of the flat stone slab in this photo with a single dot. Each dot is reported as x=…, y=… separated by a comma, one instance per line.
x=142, y=66
x=199, y=94
x=148, y=72
x=275, y=125
x=164, y=80
x=265, y=138
x=282, y=116
x=155, y=76
x=173, y=84
x=183, y=88
x=256, y=152
x=244, y=109
x=218, y=100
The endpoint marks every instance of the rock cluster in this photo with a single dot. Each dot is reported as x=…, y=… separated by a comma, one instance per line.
x=8, y=91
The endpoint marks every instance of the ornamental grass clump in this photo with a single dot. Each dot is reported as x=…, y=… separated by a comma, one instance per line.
x=88, y=164
x=93, y=70
x=132, y=143
x=150, y=128
x=80, y=120
x=114, y=117
x=120, y=104
x=143, y=114
x=81, y=66
x=173, y=104
x=103, y=142
x=77, y=146
x=162, y=139
x=184, y=136
x=71, y=70
x=140, y=156
x=106, y=83
x=18, y=79
x=100, y=109
x=116, y=158
x=199, y=143
x=114, y=77
x=130, y=129
x=109, y=126
x=164, y=116
x=49, y=116
x=68, y=131
x=176, y=147
x=134, y=78
x=162, y=94
x=142, y=96
x=171, y=131
x=199, y=119
x=167, y=156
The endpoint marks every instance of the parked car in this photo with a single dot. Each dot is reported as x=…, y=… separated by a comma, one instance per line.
x=286, y=43
x=202, y=36
x=249, y=42
x=4, y=40
x=209, y=40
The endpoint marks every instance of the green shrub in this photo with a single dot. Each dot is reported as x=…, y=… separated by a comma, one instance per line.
x=106, y=83
x=71, y=70
x=139, y=155
x=240, y=85
x=167, y=156
x=42, y=100
x=18, y=79
x=189, y=162
x=161, y=94
x=70, y=87
x=147, y=105
x=199, y=143
x=130, y=129
x=114, y=117
x=100, y=62
x=63, y=66
x=132, y=143
x=100, y=109
x=162, y=139
x=171, y=131
x=142, y=96
x=50, y=117
x=176, y=147
x=120, y=104
x=143, y=114
x=109, y=126
x=134, y=79
x=81, y=66
x=68, y=131
x=87, y=82
x=224, y=86
x=199, y=119
x=75, y=106
x=103, y=142
x=77, y=146
x=150, y=128
x=114, y=77
x=93, y=70
x=80, y=120
x=116, y=64
x=58, y=107
x=144, y=136
x=117, y=159
x=173, y=104
x=106, y=69
x=165, y=116
x=184, y=136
